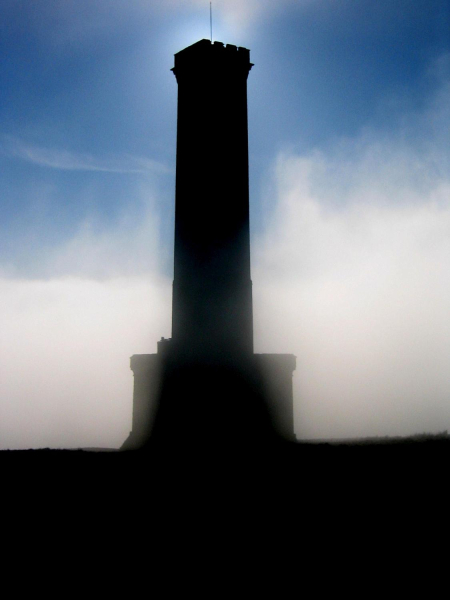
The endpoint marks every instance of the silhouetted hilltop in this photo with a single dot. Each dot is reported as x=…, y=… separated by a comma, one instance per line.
x=290, y=460
x=381, y=440
x=306, y=495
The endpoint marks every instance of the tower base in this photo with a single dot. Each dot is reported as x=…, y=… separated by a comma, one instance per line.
x=183, y=403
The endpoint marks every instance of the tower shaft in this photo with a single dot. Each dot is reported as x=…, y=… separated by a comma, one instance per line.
x=212, y=289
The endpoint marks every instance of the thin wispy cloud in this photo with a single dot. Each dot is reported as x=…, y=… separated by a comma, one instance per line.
x=56, y=158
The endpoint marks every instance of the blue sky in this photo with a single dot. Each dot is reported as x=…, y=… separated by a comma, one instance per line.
x=350, y=179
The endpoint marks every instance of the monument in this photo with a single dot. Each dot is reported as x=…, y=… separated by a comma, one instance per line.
x=205, y=384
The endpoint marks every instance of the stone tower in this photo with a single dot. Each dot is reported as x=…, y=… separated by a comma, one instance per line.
x=206, y=383
x=212, y=290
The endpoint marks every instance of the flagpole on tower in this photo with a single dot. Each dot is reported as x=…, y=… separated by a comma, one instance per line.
x=210, y=19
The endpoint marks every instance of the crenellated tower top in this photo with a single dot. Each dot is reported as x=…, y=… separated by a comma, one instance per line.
x=216, y=56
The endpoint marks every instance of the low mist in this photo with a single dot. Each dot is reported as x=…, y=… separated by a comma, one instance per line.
x=350, y=274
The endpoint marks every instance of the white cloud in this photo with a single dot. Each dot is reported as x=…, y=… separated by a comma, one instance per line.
x=352, y=276
x=65, y=349
x=66, y=340
x=356, y=285
x=129, y=247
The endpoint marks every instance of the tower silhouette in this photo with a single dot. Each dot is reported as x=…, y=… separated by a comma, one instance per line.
x=212, y=294
x=205, y=384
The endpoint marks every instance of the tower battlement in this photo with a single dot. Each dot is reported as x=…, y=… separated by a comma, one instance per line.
x=216, y=55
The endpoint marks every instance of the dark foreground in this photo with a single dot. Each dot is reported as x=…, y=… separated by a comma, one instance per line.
x=334, y=519
x=327, y=471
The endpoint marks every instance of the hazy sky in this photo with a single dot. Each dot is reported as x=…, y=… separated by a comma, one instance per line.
x=349, y=122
